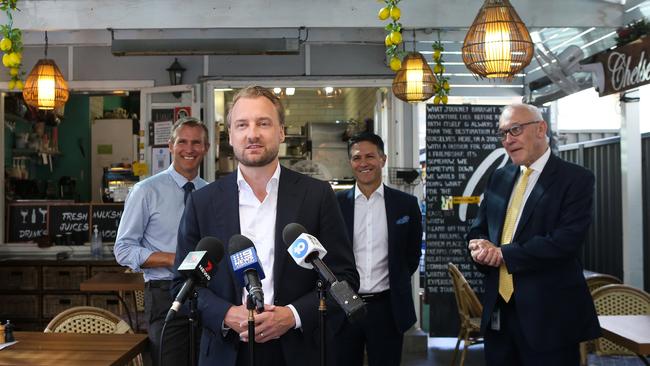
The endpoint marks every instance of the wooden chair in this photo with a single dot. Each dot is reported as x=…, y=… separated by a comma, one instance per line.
x=90, y=320
x=618, y=300
x=594, y=282
x=469, y=312
x=599, y=280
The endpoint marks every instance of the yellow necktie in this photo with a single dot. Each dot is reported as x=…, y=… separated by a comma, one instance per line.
x=506, y=286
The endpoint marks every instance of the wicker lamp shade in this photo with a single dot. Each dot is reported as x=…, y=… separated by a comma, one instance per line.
x=45, y=87
x=415, y=81
x=497, y=44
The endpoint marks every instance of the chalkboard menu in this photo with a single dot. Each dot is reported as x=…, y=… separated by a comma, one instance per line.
x=26, y=222
x=462, y=151
x=73, y=219
x=107, y=218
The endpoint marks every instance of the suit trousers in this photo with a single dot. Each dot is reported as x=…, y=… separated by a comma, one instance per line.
x=376, y=333
x=157, y=301
x=508, y=345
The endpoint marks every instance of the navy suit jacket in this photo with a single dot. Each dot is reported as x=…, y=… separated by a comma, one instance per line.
x=214, y=211
x=404, y=247
x=551, y=298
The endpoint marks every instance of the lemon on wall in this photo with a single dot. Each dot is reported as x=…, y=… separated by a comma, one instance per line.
x=395, y=37
x=13, y=71
x=14, y=59
x=387, y=41
x=6, y=60
x=437, y=69
x=12, y=84
x=5, y=44
x=383, y=13
x=19, y=85
x=395, y=64
x=395, y=13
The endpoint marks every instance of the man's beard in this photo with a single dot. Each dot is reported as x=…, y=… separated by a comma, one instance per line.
x=258, y=160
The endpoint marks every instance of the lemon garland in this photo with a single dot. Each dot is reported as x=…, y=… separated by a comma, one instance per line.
x=393, y=33
x=12, y=45
x=442, y=86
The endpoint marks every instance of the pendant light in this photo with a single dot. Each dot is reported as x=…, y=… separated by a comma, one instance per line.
x=415, y=81
x=45, y=87
x=497, y=44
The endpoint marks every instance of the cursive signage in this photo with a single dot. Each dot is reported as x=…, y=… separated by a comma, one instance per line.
x=626, y=67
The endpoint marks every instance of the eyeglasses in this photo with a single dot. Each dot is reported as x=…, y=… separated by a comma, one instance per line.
x=514, y=130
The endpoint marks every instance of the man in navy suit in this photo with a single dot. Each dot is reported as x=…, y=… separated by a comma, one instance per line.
x=526, y=239
x=385, y=228
x=258, y=200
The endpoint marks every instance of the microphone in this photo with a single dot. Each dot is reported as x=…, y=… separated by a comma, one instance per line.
x=197, y=267
x=247, y=268
x=306, y=251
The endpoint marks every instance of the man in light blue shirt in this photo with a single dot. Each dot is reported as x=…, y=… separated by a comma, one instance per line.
x=146, y=237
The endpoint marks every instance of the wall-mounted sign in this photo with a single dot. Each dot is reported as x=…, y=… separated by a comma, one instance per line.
x=626, y=67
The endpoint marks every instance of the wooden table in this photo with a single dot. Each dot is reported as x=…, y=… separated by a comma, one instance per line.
x=116, y=282
x=72, y=349
x=629, y=331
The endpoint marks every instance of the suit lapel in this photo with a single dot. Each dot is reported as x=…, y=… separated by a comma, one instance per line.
x=348, y=212
x=391, y=219
x=289, y=197
x=230, y=200
x=546, y=179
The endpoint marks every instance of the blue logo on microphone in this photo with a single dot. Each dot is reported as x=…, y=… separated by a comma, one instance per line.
x=299, y=248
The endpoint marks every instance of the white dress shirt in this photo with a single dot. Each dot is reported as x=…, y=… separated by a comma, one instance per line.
x=371, y=240
x=537, y=168
x=257, y=222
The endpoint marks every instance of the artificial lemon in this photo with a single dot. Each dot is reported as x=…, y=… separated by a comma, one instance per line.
x=19, y=85
x=445, y=85
x=383, y=13
x=436, y=100
x=387, y=41
x=13, y=71
x=12, y=84
x=14, y=59
x=444, y=99
x=6, y=60
x=436, y=55
x=395, y=64
x=395, y=37
x=5, y=44
x=395, y=13
x=438, y=69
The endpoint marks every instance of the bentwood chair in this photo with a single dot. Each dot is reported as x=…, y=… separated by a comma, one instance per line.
x=90, y=320
x=469, y=312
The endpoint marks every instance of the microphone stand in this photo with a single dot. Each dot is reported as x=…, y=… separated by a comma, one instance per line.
x=250, y=305
x=193, y=324
x=322, y=315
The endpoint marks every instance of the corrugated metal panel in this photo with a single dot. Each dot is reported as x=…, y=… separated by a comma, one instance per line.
x=603, y=251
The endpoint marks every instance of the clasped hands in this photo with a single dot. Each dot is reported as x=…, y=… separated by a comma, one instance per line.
x=271, y=324
x=485, y=252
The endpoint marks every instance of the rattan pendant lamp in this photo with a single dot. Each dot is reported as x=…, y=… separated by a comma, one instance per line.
x=45, y=87
x=497, y=44
x=415, y=81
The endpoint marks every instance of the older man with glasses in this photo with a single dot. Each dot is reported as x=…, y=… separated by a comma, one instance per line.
x=526, y=239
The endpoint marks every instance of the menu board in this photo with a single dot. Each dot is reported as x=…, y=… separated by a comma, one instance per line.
x=462, y=150
x=27, y=222
x=72, y=218
x=107, y=218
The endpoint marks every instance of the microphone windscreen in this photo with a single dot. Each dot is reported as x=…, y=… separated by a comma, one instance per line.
x=213, y=246
x=237, y=243
x=291, y=232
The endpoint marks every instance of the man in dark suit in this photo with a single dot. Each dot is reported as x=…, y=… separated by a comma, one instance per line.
x=258, y=201
x=526, y=239
x=385, y=228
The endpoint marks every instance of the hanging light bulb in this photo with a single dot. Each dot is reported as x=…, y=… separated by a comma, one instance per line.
x=497, y=44
x=45, y=88
x=415, y=81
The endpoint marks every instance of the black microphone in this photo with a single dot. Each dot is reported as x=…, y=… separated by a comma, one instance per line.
x=247, y=268
x=306, y=251
x=197, y=267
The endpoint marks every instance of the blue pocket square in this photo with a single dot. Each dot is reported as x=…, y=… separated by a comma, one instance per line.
x=402, y=220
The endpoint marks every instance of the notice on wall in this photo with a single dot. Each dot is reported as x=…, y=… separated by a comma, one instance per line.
x=107, y=218
x=27, y=222
x=462, y=150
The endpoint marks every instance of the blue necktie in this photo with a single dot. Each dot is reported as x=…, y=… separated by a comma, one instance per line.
x=188, y=188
